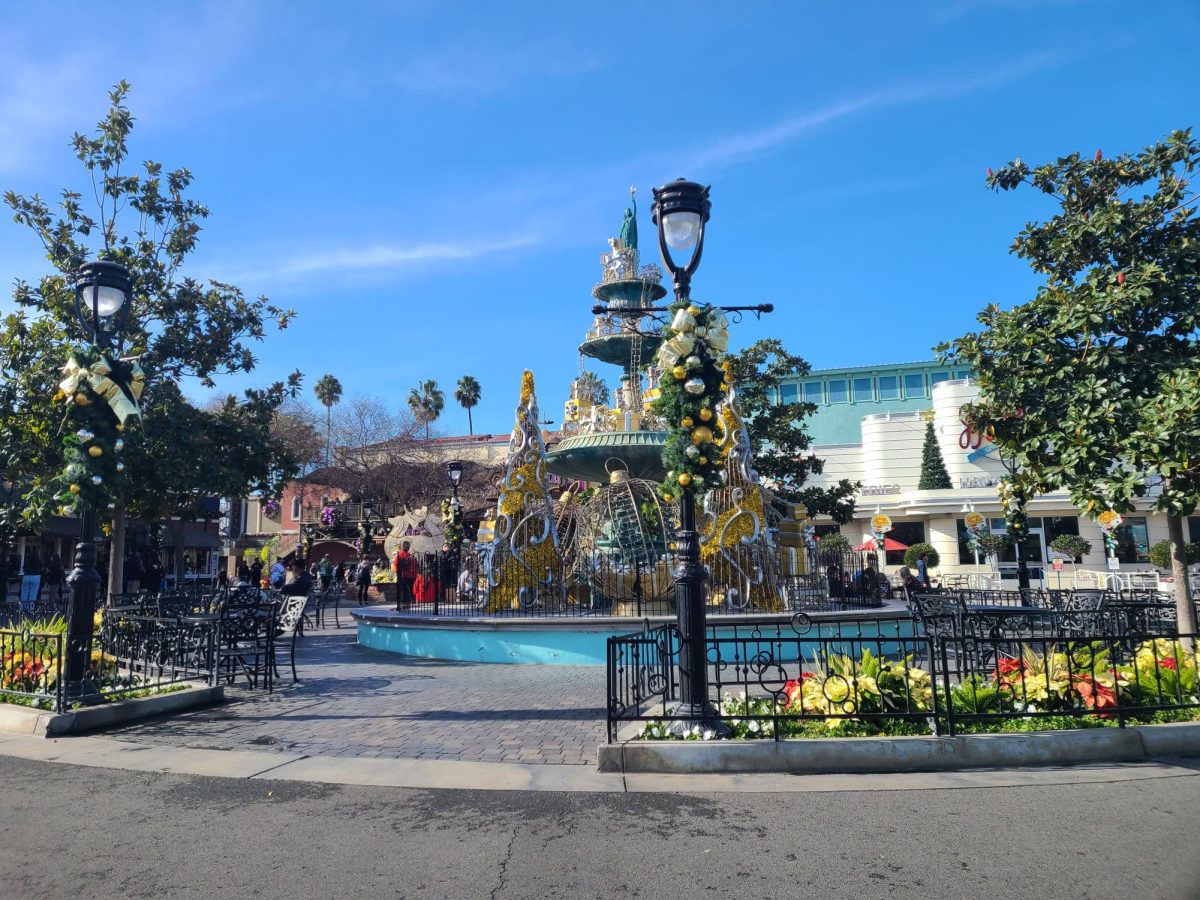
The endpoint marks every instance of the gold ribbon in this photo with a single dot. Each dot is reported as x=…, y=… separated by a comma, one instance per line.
x=97, y=378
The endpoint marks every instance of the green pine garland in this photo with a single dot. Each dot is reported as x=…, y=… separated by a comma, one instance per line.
x=92, y=441
x=691, y=455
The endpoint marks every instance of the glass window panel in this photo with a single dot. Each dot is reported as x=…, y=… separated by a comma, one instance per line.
x=1193, y=529
x=839, y=390
x=791, y=393
x=1133, y=540
x=814, y=392
x=914, y=385
x=907, y=533
x=889, y=387
x=938, y=377
x=962, y=373
x=966, y=554
x=864, y=389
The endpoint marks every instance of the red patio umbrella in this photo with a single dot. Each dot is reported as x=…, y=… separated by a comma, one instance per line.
x=888, y=544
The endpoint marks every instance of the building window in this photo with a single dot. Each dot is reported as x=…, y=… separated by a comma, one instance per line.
x=907, y=533
x=864, y=390
x=962, y=374
x=295, y=509
x=1193, y=529
x=790, y=393
x=839, y=390
x=889, y=387
x=1055, y=526
x=814, y=392
x=914, y=385
x=938, y=377
x=966, y=553
x=1133, y=540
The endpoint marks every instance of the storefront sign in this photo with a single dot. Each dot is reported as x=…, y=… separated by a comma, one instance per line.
x=979, y=481
x=879, y=490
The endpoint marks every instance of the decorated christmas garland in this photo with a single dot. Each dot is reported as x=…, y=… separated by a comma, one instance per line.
x=100, y=395
x=452, y=523
x=690, y=390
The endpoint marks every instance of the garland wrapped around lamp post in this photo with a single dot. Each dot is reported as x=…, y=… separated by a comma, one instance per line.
x=100, y=393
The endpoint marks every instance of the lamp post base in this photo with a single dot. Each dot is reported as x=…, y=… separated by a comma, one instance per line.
x=688, y=717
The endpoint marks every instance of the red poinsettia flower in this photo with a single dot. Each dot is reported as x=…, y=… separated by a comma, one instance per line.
x=1167, y=662
x=1093, y=694
x=793, y=689
x=1006, y=666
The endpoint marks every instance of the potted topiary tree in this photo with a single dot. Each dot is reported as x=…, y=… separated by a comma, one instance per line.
x=1075, y=547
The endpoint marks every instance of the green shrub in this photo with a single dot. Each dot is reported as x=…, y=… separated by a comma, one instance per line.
x=993, y=544
x=1072, y=545
x=834, y=542
x=931, y=556
x=1160, y=554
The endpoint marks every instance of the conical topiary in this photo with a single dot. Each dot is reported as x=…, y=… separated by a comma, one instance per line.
x=934, y=476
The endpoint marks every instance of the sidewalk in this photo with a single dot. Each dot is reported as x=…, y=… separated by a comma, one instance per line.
x=355, y=702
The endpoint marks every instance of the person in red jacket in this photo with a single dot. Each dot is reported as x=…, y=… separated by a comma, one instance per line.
x=405, y=567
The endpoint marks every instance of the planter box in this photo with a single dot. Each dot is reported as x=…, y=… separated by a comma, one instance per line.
x=25, y=720
x=814, y=756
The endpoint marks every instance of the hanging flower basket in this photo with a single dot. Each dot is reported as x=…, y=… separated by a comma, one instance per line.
x=330, y=516
x=271, y=509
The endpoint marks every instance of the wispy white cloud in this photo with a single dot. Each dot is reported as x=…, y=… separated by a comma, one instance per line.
x=736, y=148
x=378, y=258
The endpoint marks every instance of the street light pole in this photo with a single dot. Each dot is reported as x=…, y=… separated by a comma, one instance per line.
x=681, y=210
x=102, y=293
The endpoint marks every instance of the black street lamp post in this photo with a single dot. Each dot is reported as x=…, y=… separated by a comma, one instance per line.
x=681, y=210
x=454, y=470
x=102, y=293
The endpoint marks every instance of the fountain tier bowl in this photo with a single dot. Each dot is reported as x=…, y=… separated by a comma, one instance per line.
x=591, y=457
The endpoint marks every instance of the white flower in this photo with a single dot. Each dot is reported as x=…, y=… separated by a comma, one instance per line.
x=753, y=726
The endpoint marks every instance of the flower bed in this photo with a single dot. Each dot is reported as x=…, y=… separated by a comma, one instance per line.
x=1075, y=686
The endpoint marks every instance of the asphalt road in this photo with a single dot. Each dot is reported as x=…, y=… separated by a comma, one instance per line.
x=69, y=831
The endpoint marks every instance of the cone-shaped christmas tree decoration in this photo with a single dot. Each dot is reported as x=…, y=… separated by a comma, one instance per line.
x=735, y=544
x=524, y=568
x=933, y=468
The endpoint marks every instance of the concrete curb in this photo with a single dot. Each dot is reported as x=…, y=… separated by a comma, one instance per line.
x=273, y=766
x=828, y=756
x=24, y=720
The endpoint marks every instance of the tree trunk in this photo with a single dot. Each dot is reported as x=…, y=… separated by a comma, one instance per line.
x=116, y=550
x=328, y=436
x=470, y=422
x=1185, y=611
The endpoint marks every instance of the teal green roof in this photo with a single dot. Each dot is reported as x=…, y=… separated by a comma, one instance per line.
x=845, y=395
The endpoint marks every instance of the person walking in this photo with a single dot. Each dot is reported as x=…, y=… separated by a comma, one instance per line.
x=923, y=571
x=31, y=582
x=277, y=575
x=256, y=568
x=362, y=577
x=53, y=577
x=325, y=572
x=405, y=567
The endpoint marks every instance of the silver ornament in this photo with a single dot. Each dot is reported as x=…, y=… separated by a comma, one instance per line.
x=97, y=480
x=119, y=445
x=692, y=452
x=84, y=435
x=692, y=362
x=120, y=467
x=694, y=386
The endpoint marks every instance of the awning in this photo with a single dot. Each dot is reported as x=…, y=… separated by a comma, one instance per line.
x=194, y=536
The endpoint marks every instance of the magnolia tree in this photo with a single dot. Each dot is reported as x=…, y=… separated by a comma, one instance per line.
x=181, y=329
x=1093, y=385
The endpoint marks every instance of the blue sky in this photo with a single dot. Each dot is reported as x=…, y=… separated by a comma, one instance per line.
x=429, y=184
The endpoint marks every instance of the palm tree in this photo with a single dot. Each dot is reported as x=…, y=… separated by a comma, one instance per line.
x=426, y=401
x=329, y=391
x=467, y=394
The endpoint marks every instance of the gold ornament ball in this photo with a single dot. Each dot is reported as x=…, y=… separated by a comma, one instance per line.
x=668, y=497
x=705, y=414
x=120, y=426
x=83, y=399
x=685, y=479
x=75, y=489
x=724, y=385
x=95, y=451
x=693, y=310
x=702, y=434
x=703, y=460
x=679, y=372
x=686, y=422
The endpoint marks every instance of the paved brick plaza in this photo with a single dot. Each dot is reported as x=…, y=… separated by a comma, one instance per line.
x=352, y=701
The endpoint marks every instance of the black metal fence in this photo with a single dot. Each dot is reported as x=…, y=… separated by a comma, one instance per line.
x=894, y=676
x=476, y=582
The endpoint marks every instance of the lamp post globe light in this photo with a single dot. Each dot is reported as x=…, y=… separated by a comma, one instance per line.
x=454, y=470
x=680, y=211
x=102, y=299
